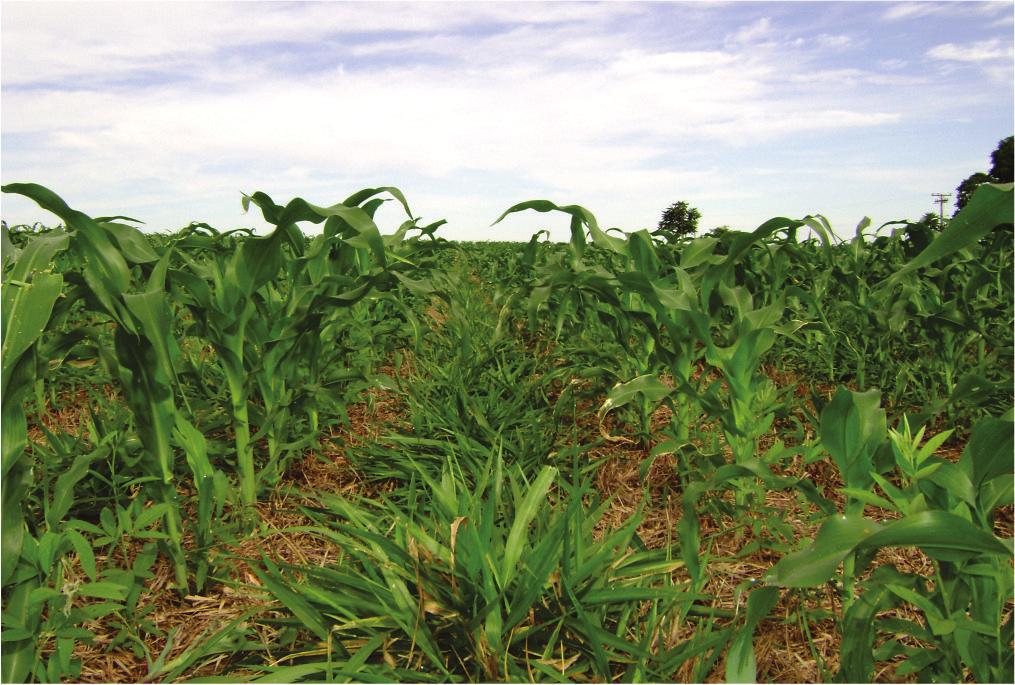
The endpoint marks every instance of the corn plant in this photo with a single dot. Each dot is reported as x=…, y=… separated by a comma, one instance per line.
x=679, y=315
x=262, y=333
x=942, y=312
x=229, y=293
x=144, y=347
x=30, y=292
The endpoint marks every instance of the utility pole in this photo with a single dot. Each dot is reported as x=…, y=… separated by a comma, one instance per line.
x=941, y=199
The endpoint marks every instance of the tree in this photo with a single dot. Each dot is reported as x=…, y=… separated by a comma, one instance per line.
x=966, y=188
x=1000, y=172
x=679, y=219
x=1001, y=162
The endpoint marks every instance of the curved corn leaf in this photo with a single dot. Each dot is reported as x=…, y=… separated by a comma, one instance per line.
x=939, y=534
x=648, y=386
x=581, y=219
x=132, y=242
x=359, y=197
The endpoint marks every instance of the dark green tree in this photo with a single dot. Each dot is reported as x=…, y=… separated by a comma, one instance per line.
x=966, y=188
x=680, y=219
x=1001, y=162
x=1000, y=172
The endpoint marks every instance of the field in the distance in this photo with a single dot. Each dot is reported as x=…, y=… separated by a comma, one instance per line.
x=369, y=457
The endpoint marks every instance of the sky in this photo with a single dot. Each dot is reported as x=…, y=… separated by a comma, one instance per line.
x=167, y=112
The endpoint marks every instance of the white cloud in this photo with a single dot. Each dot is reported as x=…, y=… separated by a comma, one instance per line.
x=982, y=51
x=914, y=10
x=433, y=123
x=850, y=77
x=754, y=32
x=893, y=63
x=172, y=33
x=910, y=10
x=830, y=41
x=639, y=62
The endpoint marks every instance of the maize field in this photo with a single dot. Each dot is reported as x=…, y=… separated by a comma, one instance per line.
x=336, y=454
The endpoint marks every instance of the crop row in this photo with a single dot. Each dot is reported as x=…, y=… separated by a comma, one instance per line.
x=233, y=355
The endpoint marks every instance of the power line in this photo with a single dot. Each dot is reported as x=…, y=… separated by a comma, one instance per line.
x=941, y=199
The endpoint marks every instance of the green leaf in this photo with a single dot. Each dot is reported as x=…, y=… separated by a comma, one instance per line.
x=649, y=386
x=360, y=197
x=581, y=218
x=868, y=497
x=15, y=635
x=151, y=515
x=8, y=252
x=104, y=590
x=368, y=236
x=27, y=309
x=17, y=658
x=939, y=534
x=852, y=428
x=996, y=492
x=43, y=595
x=988, y=453
x=741, y=666
x=817, y=563
x=105, y=270
x=515, y=544
x=856, y=661
x=257, y=262
x=699, y=251
x=84, y=551
x=12, y=521
x=152, y=312
x=63, y=489
x=293, y=674
x=132, y=242
x=37, y=255
x=938, y=624
x=952, y=478
x=300, y=607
